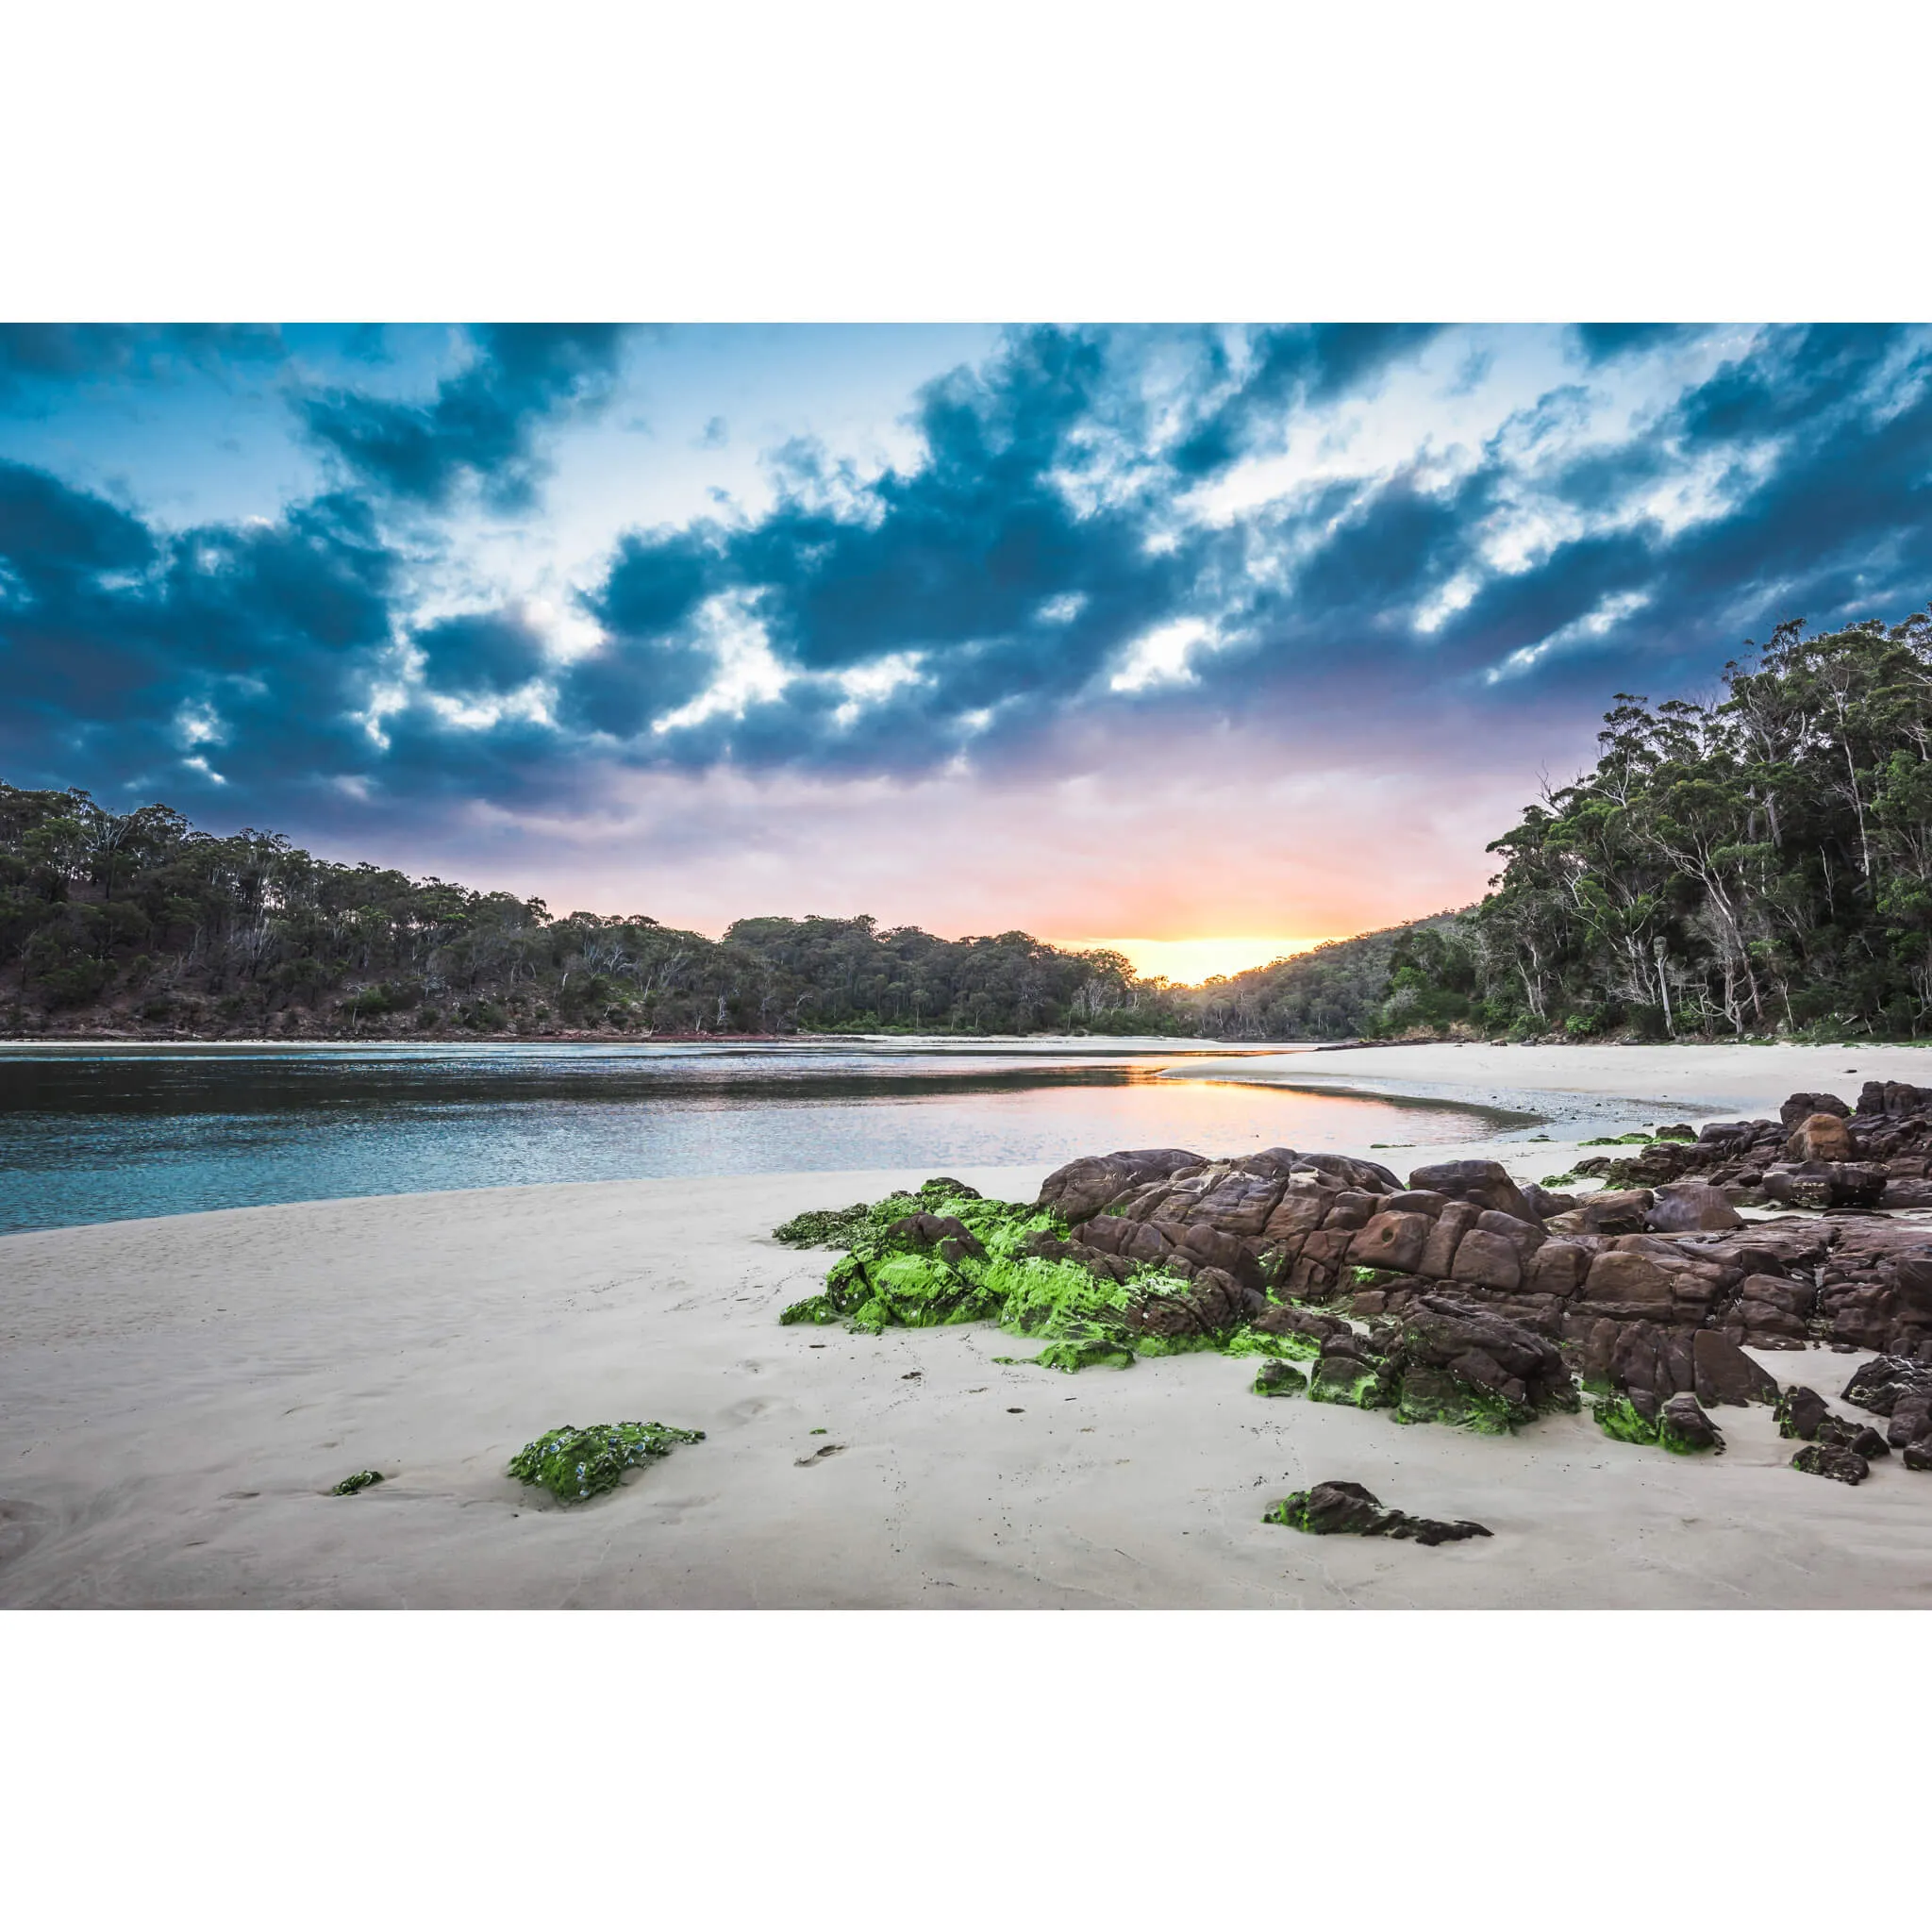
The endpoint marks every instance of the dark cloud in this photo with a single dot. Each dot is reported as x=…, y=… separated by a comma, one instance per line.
x=481, y=424
x=1015, y=563
x=1304, y=366
x=38, y=358
x=1609, y=341
x=125, y=651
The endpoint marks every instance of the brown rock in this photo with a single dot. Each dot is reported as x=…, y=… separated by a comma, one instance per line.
x=1082, y=1187
x=1821, y=1137
x=1392, y=1240
x=1627, y=1288
x=1439, y=1252
x=1558, y=1268
x=1617, y=1211
x=1301, y=1209
x=1725, y=1374
x=1691, y=1208
x=1487, y=1260
x=1486, y=1183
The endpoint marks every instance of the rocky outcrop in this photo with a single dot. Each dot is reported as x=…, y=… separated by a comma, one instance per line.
x=1651, y=1288
x=1349, y=1510
x=1900, y=1390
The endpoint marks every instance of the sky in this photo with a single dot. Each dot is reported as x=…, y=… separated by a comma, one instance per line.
x=1211, y=642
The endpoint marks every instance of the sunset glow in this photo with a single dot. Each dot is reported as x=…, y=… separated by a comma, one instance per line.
x=1187, y=963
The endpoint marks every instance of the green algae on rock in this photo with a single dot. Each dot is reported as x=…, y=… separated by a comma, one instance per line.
x=355, y=1485
x=575, y=1464
x=823, y=1227
x=1680, y=1425
x=1349, y=1510
x=945, y=1255
x=1281, y=1379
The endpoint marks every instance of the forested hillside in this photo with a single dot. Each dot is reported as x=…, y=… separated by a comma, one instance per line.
x=137, y=921
x=1758, y=865
x=1336, y=992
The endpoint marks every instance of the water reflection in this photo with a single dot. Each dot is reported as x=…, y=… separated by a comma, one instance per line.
x=111, y=1132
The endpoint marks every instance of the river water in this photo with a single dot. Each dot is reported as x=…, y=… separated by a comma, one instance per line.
x=110, y=1133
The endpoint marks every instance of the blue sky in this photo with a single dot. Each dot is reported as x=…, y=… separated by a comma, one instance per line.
x=1154, y=631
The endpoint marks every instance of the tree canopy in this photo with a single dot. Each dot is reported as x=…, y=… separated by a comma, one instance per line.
x=1759, y=863
x=138, y=920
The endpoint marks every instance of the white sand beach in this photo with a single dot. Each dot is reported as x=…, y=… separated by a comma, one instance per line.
x=176, y=1396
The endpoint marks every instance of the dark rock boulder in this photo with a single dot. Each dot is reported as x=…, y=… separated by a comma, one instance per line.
x=946, y=1232
x=1617, y=1211
x=1370, y=1177
x=1880, y=1384
x=1799, y=1410
x=1803, y=1107
x=1724, y=1373
x=1691, y=1208
x=1082, y=1187
x=1460, y=1363
x=1349, y=1510
x=1840, y=1465
x=1485, y=1183
x=1683, y=1427
x=1212, y=1306
x=1286, y=1319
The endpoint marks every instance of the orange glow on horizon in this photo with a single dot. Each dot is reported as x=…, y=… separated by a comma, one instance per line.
x=1187, y=962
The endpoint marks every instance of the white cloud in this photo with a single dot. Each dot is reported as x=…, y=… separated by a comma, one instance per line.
x=1599, y=623
x=1161, y=656
x=748, y=672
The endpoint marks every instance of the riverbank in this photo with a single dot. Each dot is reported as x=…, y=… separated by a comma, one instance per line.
x=1588, y=1086
x=176, y=1397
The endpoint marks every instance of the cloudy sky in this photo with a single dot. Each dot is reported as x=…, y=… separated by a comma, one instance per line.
x=1162, y=634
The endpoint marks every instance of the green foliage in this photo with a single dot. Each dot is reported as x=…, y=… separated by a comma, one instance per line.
x=354, y=1485
x=1756, y=866
x=250, y=919
x=1341, y=990
x=575, y=1464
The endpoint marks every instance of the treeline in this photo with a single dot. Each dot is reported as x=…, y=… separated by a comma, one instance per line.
x=1334, y=992
x=1760, y=864
x=137, y=921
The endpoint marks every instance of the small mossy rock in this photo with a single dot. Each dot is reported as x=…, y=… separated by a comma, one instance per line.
x=1281, y=1379
x=1346, y=1378
x=1684, y=1429
x=1072, y=1356
x=1337, y=1508
x=1427, y=1395
x=1840, y=1465
x=1799, y=1413
x=1620, y=1419
x=823, y=1227
x=354, y=1485
x=1835, y=1432
x=577, y=1464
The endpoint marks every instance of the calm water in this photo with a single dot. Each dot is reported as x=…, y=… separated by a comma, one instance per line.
x=110, y=1133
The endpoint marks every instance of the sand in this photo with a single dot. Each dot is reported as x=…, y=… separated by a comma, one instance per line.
x=176, y=1395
